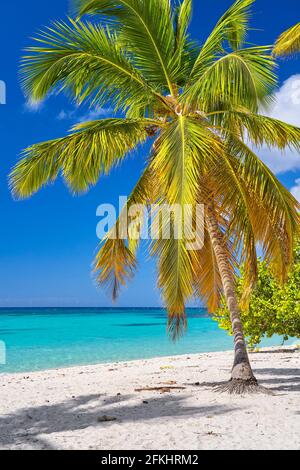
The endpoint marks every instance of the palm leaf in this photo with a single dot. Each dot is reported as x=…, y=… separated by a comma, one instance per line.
x=91, y=150
x=116, y=262
x=241, y=78
x=86, y=61
x=182, y=22
x=274, y=211
x=232, y=202
x=257, y=128
x=183, y=152
x=185, y=49
x=115, y=265
x=147, y=27
x=289, y=42
x=231, y=27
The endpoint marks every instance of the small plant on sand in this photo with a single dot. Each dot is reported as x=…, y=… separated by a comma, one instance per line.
x=273, y=309
x=201, y=107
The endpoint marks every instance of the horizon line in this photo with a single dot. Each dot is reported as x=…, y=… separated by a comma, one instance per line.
x=80, y=307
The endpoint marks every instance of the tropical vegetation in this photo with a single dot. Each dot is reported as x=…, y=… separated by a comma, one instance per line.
x=273, y=309
x=201, y=108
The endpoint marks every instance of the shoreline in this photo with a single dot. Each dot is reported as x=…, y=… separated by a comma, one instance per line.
x=115, y=363
x=108, y=362
x=67, y=408
x=37, y=342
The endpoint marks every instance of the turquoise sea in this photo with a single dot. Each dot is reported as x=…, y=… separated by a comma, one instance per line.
x=37, y=339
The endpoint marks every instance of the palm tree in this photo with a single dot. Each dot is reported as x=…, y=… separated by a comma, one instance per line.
x=288, y=42
x=199, y=106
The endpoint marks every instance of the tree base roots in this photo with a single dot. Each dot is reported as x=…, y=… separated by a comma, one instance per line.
x=242, y=387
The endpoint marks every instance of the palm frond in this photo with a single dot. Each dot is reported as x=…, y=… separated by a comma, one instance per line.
x=259, y=129
x=233, y=202
x=257, y=209
x=147, y=27
x=183, y=151
x=116, y=265
x=116, y=260
x=185, y=50
x=89, y=151
x=289, y=42
x=241, y=78
x=182, y=22
x=231, y=27
x=87, y=62
x=274, y=212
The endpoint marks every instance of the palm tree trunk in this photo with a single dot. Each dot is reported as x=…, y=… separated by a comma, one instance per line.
x=242, y=377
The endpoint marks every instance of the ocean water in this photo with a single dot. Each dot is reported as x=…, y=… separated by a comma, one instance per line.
x=37, y=339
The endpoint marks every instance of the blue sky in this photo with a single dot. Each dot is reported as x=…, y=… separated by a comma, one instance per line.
x=47, y=243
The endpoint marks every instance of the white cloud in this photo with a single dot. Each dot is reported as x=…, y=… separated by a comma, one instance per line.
x=296, y=190
x=91, y=115
x=65, y=115
x=62, y=115
x=95, y=114
x=280, y=162
x=33, y=106
x=287, y=104
x=286, y=108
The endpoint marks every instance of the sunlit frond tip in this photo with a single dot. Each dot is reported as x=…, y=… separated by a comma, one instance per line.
x=289, y=42
x=177, y=323
x=114, y=266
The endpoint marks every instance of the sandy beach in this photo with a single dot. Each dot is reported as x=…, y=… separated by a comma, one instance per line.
x=99, y=407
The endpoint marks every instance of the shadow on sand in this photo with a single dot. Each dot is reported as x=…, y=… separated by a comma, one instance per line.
x=276, y=351
x=281, y=380
x=30, y=426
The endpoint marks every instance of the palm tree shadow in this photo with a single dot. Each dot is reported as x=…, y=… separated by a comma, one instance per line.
x=276, y=351
x=287, y=380
x=29, y=427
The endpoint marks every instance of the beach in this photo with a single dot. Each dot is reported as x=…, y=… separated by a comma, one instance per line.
x=102, y=406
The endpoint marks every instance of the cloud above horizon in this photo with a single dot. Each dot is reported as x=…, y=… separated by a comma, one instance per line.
x=33, y=106
x=295, y=190
x=70, y=114
x=89, y=116
x=286, y=107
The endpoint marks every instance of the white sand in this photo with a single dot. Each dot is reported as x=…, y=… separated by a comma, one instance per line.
x=60, y=409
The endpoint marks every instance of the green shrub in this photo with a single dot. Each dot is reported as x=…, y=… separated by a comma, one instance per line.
x=273, y=309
